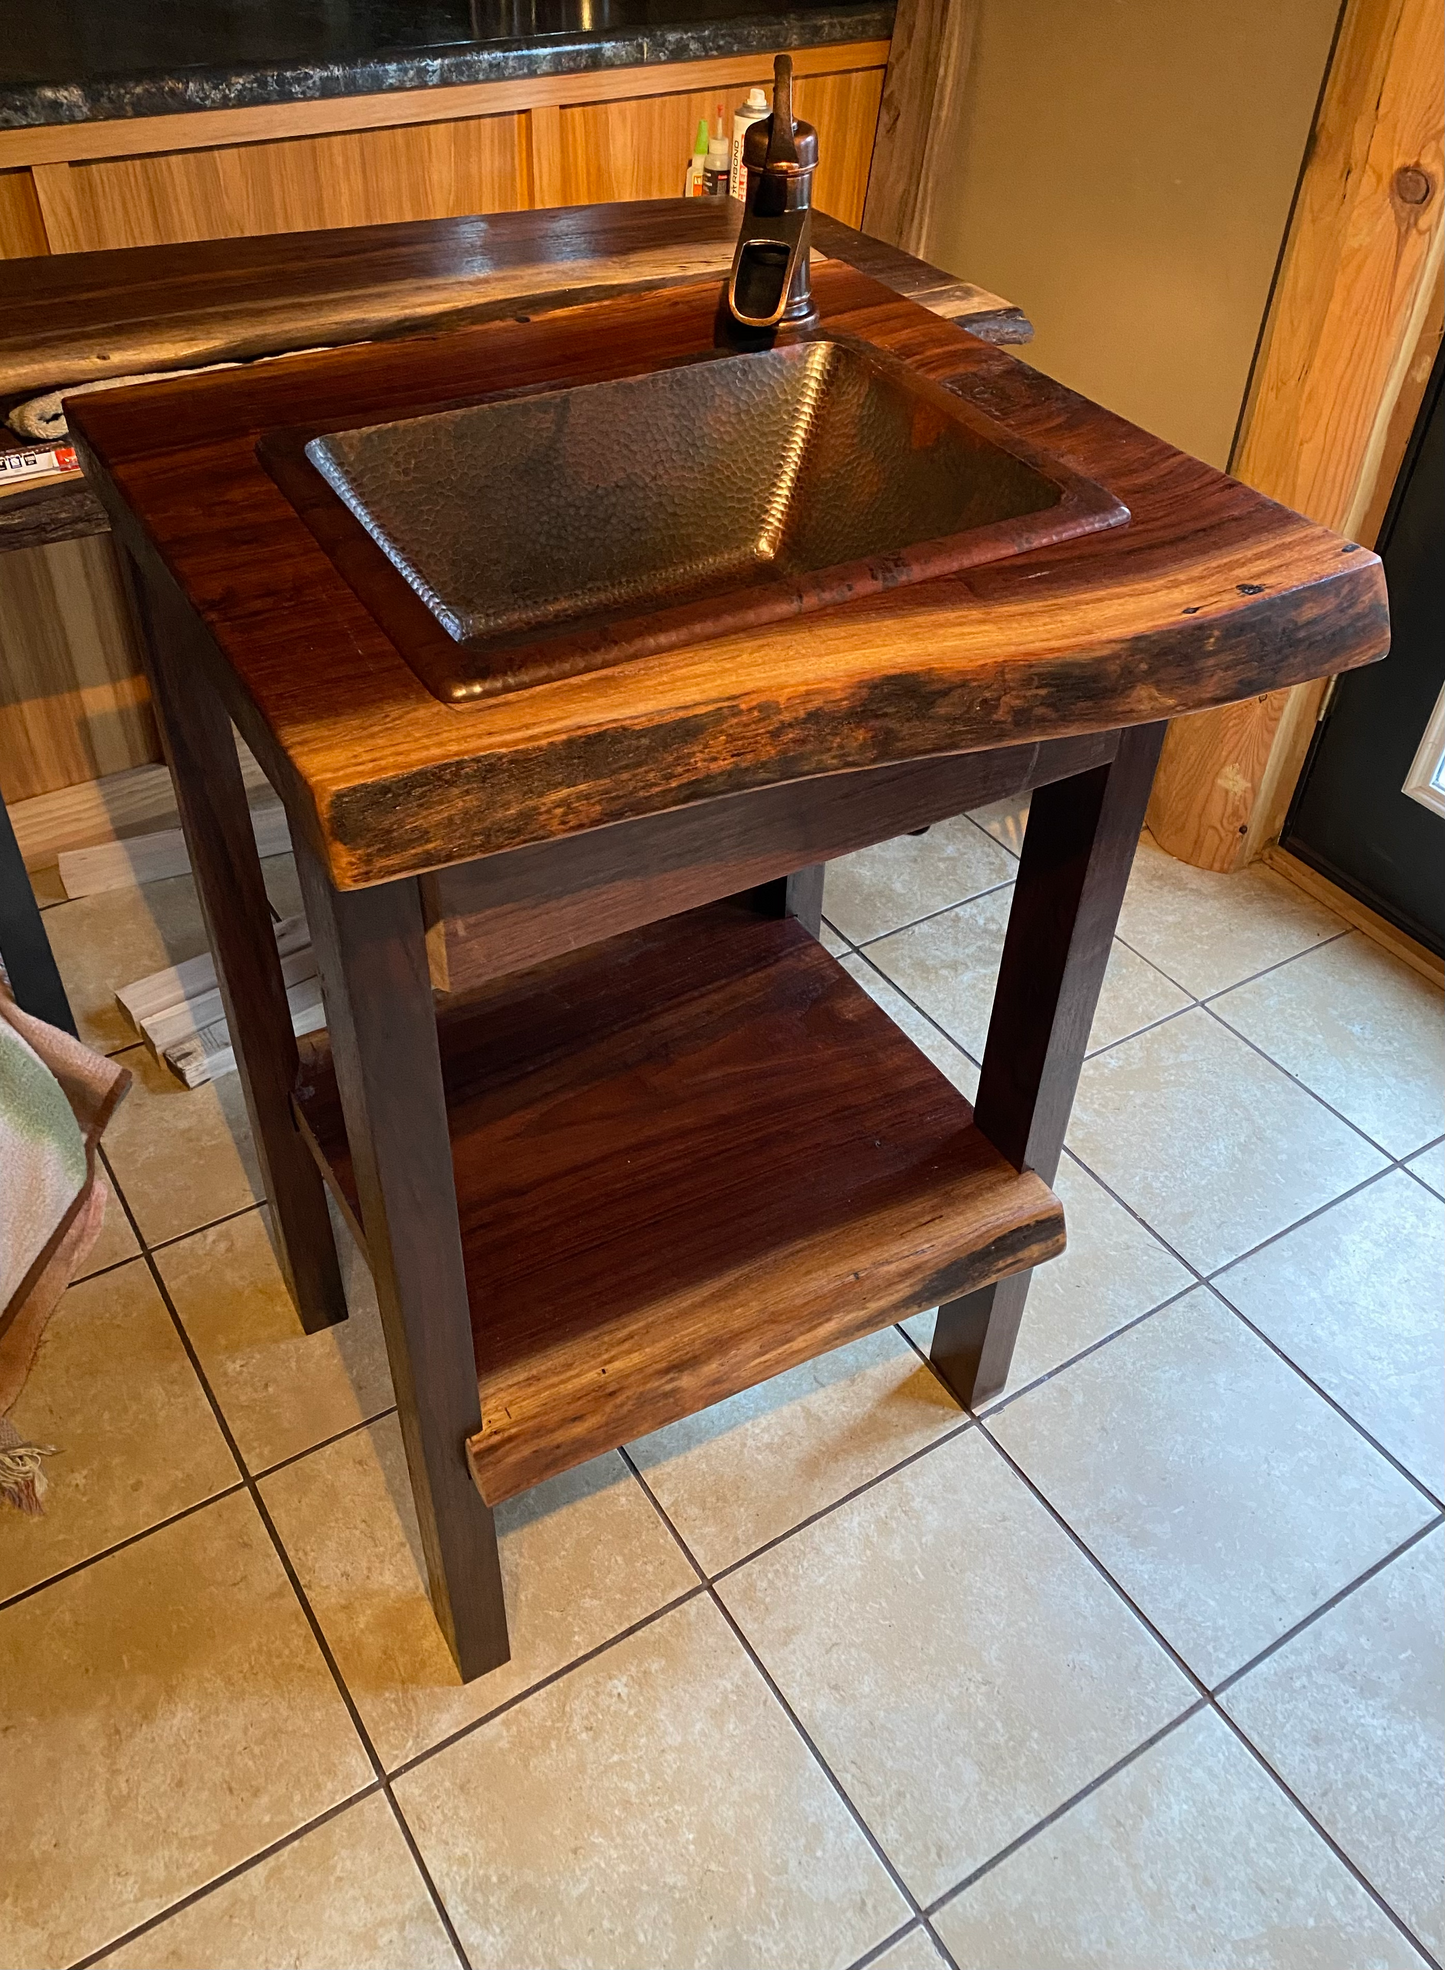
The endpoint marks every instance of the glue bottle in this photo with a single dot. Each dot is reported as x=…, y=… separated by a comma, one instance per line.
x=718, y=166
x=693, y=184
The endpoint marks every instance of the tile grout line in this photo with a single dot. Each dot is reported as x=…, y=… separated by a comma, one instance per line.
x=1208, y=1281
x=993, y=1404
x=1334, y=1846
x=966, y=1422
x=932, y=916
x=324, y=1443
x=250, y=1485
x=1206, y=1698
x=789, y=1713
x=1249, y=978
x=646, y=1621
x=1403, y=1470
x=409, y=1840
x=1244, y=1040
x=211, y=1224
x=915, y=1926
x=1084, y=1792
x=860, y=949
x=556, y=1675
x=927, y=1017
x=1235, y=1675
x=1328, y=1607
x=120, y=1545
x=231, y=1874
x=1208, y=1694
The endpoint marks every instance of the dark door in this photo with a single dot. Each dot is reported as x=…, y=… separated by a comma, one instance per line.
x=1351, y=818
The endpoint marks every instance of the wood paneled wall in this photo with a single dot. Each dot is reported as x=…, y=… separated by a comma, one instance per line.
x=352, y=178
x=22, y=230
x=72, y=701
x=72, y=705
x=368, y=160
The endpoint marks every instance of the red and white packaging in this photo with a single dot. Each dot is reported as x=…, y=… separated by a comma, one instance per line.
x=42, y=463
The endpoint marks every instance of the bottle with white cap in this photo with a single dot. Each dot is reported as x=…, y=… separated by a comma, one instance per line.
x=744, y=116
x=717, y=169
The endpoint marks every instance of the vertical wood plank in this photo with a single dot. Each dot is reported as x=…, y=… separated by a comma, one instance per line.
x=928, y=66
x=55, y=193
x=638, y=147
x=216, y=818
x=544, y=145
x=843, y=108
x=22, y=225
x=298, y=184
x=370, y=947
x=73, y=699
x=1078, y=850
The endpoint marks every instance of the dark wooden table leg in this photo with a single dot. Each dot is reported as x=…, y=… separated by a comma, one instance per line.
x=799, y=895
x=24, y=947
x=370, y=948
x=1077, y=853
x=211, y=795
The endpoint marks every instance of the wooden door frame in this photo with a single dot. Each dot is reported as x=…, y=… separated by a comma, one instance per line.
x=1351, y=332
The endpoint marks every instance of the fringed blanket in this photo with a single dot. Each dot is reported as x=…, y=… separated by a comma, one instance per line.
x=56, y=1097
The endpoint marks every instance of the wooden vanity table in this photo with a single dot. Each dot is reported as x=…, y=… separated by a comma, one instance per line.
x=618, y=1135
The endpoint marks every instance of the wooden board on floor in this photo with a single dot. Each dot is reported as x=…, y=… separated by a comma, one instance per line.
x=1377, y=928
x=138, y=801
x=155, y=856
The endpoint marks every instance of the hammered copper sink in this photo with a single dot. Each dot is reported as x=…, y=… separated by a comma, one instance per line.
x=564, y=530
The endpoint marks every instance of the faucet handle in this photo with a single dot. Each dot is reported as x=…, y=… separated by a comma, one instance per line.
x=779, y=143
x=782, y=134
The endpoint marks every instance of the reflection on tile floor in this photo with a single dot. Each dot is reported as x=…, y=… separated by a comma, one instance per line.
x=1141, y=1667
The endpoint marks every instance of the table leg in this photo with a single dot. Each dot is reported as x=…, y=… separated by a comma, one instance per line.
x=211, y=795
x=24, y=947
x=370, y=947
x=799, y=895
x=1077, y=853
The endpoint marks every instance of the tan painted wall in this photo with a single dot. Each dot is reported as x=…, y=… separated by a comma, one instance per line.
x=1123, y=170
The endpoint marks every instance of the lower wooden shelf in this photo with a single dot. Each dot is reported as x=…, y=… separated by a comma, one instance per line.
x=688, y=1159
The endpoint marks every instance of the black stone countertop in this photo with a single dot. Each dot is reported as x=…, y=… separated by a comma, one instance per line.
x=80, y=61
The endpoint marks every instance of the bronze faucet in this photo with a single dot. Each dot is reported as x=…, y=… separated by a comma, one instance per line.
x=769, y=284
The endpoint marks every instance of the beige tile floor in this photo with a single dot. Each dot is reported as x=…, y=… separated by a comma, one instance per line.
x=1141, y=1666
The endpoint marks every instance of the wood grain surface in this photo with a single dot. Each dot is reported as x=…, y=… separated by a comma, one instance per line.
x=1208, y=595
x=22, y=227
x=686, y=1160
x=299, y=184
x=1077, y=852
x=85, y=318
x=73, y=704
x=495, y=915
x=923, y=94
x=385, y=1091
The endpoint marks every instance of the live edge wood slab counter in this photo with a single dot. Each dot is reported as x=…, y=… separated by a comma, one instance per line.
x=618, y=1135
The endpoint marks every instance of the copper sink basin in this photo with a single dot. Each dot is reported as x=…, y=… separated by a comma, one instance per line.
x=567, y=530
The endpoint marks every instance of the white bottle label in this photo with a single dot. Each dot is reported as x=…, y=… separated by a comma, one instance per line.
x=737, y=176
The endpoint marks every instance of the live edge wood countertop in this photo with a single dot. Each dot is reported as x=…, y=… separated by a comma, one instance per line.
x=1209, y=594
